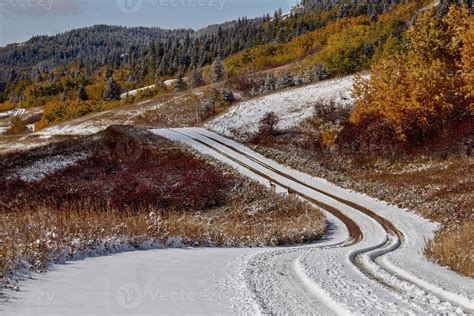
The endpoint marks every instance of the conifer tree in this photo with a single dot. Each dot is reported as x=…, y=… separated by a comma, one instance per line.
x=281, y=37
x=321, y=73
x=195, y=79
x=286, y=81
x=112, y=92
x=179, y=84
x=82, y=94
x=217, y=71
x=269, y=84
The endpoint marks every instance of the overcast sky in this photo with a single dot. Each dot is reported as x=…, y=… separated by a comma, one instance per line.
x=22, y=19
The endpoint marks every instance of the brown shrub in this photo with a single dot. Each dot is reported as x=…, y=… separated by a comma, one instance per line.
x=371, y=136
x=17, y=126
x=245, y=83
x=125, y=174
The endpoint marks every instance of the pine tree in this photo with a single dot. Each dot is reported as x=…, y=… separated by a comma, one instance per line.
x=298, y=80
x=112, y=92
x=269, y=84
x=281, y=37
x=82, y=94
x=217, y=71
x=108, y=73
x=308, y=76
x=321, y=73
x=195, y=79
x=179, y=84
x=276, y=17
x=286, y=81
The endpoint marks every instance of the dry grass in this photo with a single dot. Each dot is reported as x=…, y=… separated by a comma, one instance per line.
x=37, y=236
x=176, y=196
x=438, y=188
x=454, y=247
x=186, y=110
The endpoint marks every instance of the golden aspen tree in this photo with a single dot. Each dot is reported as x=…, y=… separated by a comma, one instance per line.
x=468, y=64
x=418, y=92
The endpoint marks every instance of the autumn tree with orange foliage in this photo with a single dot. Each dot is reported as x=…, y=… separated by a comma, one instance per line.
x=468, y=64
x=425, y=91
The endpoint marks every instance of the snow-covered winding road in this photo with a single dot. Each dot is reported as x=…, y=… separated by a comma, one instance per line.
x=370, y=262
x=363, y=275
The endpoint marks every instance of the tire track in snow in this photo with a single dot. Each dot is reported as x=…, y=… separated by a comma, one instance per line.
x=355, y=257
x=260, y=260
x=394, y=242
x=353, y=228
x=362, y=258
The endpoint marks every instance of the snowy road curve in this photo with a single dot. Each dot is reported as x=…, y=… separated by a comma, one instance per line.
x=356, y=276
x=370, y=262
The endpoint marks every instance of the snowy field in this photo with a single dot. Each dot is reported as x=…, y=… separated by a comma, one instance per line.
x=291, y=106
x=40, y=169
x=130, y=93
x=379, y=274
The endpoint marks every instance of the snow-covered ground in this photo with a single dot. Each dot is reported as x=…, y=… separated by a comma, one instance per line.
x=38, y=170
x=7, y=114
x=23, y=113
x=167, y=83
x=99, y=122
x=134, y=92
x=382, y=273
x=291, y=106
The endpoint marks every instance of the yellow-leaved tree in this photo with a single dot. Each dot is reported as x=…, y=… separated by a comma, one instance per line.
x=468, y=64
x=421, y=92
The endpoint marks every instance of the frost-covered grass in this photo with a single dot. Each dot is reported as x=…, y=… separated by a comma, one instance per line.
x=40, y=169
x=439, y=189
x=36, y=237
x=135, y=190
x=184, y=111
x=292, y=106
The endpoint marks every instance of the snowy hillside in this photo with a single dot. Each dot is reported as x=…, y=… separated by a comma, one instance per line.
x=291, y=106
